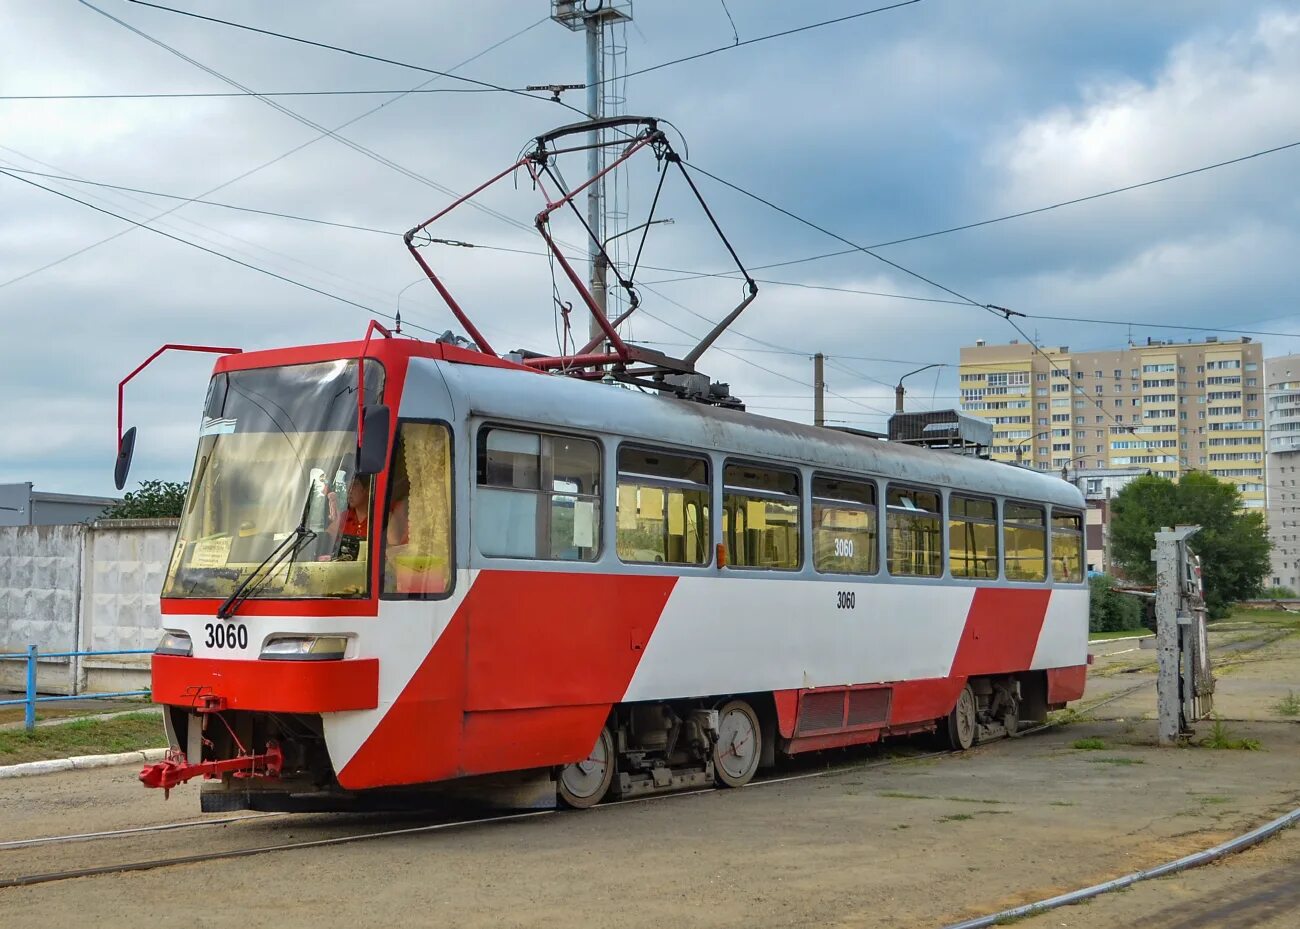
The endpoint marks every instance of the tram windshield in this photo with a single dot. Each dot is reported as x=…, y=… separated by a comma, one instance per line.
x=275, y=479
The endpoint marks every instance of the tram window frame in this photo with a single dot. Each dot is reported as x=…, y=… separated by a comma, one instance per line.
x=383, y=542
x=821, y=500
x=965, y=521
x=1011, y=524
x=638, y=480
x=1078, y=534
x=758, y=494
x=542, y=516
x=892, y=510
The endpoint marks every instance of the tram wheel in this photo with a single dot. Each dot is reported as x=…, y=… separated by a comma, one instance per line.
x=739, y=748
x=959, y=732
x=584, y=783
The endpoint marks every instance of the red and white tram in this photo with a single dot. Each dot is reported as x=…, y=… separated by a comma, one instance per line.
x=590, y=589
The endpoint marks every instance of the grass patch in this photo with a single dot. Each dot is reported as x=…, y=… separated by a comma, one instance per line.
x=1117, y=761
x=1288, y=705
x=899, y=795
x=1221, y=739
x=1062, y=803
x=974, y=800
x=956, y=818
x=1212, y=799
x=82, y=737
x=1091, y=744
x=1118, y=634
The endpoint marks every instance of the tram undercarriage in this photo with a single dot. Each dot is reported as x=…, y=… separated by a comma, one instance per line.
x=280, y=762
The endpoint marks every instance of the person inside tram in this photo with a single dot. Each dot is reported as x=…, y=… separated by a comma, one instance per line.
x=350, y=528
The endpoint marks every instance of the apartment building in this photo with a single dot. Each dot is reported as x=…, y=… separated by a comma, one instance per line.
x=1282, y=418
x=1164, y=407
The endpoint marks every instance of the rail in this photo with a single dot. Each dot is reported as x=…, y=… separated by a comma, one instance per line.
x=30, y=698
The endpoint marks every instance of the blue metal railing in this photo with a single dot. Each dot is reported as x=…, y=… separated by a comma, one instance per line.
x=30, y=700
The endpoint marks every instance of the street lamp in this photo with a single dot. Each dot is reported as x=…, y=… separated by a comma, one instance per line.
x=1020, y=446
x=898, y=391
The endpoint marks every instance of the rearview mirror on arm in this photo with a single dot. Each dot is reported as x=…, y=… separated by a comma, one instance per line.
x=125, y=449
x=372, y=453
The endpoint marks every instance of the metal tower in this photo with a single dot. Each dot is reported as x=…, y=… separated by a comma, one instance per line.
x=596, y=18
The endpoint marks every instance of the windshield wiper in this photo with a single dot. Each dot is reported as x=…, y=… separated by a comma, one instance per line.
x=286, y=549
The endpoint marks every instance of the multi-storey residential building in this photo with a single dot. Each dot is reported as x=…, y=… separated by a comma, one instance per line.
x=1282, y=418
x=1165, y=407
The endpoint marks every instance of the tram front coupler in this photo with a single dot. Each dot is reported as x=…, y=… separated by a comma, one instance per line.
x=175, y=769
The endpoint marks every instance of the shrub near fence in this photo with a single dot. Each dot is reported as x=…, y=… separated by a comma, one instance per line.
x=1112, y=611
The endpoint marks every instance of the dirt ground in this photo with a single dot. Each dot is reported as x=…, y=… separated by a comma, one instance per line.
x=846, y=844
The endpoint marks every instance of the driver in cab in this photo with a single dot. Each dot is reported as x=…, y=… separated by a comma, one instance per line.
x=350, y=527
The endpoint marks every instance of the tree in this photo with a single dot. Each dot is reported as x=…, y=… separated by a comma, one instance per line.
x=1233, y=543
x=154, y=500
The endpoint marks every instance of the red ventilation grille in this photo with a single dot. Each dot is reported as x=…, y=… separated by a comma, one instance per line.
x=868, y=707
x=821, y=711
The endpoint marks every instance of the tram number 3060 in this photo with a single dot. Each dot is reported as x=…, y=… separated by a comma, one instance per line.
x=225, y=636
x=846, y=600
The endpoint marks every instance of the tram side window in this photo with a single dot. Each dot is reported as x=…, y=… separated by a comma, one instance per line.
x=972, y=537
x=417, y=538
x=844, y=526
x=662, y=508
x=1024, y=541
x=1067, y=546
x=915, y=534
x=760, y=517
x=538, y=496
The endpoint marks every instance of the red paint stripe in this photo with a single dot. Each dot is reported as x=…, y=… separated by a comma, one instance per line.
x=545, y=652
x=1001, y=633
x=271, y=686
x=297, y=609
x=1066, y=684
x=924, y=700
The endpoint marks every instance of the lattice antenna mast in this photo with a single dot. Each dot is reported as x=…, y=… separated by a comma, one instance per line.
x=596, y=18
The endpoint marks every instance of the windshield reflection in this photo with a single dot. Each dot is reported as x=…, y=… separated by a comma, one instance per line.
x=277, y=452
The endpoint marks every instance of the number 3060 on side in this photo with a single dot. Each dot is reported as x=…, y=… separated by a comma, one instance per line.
x=846, y=599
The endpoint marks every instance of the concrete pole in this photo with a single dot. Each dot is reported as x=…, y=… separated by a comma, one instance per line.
x=595, y=160
x=1169, y=557
x=819, y=389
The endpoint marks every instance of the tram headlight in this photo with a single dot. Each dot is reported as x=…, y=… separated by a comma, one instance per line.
x=174, y=643
x=306, y=648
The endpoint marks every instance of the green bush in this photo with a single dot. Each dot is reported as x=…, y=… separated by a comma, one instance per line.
x=1278, y=593
x=1112, y=611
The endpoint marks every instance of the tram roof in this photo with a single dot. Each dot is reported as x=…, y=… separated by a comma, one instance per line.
x=562, y=402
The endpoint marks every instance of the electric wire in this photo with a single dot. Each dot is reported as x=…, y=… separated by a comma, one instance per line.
x=762, y=38
x=489, y=86
x=199, y=200
x=266, y=164
x=200, y=95
x=309, y=123
x=996, y=310
x=688, y=275
x=449, y=75
x=219, y=238
x=211, y=251
x=1002, y=219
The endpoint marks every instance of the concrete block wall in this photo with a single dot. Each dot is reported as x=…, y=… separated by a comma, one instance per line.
x=78, y=587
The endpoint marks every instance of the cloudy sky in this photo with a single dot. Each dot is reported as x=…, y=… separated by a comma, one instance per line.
x=937, y=114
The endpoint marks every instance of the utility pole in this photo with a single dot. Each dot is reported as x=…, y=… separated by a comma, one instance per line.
x=1170, y=556
x=819, y=389
x=592, y=17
